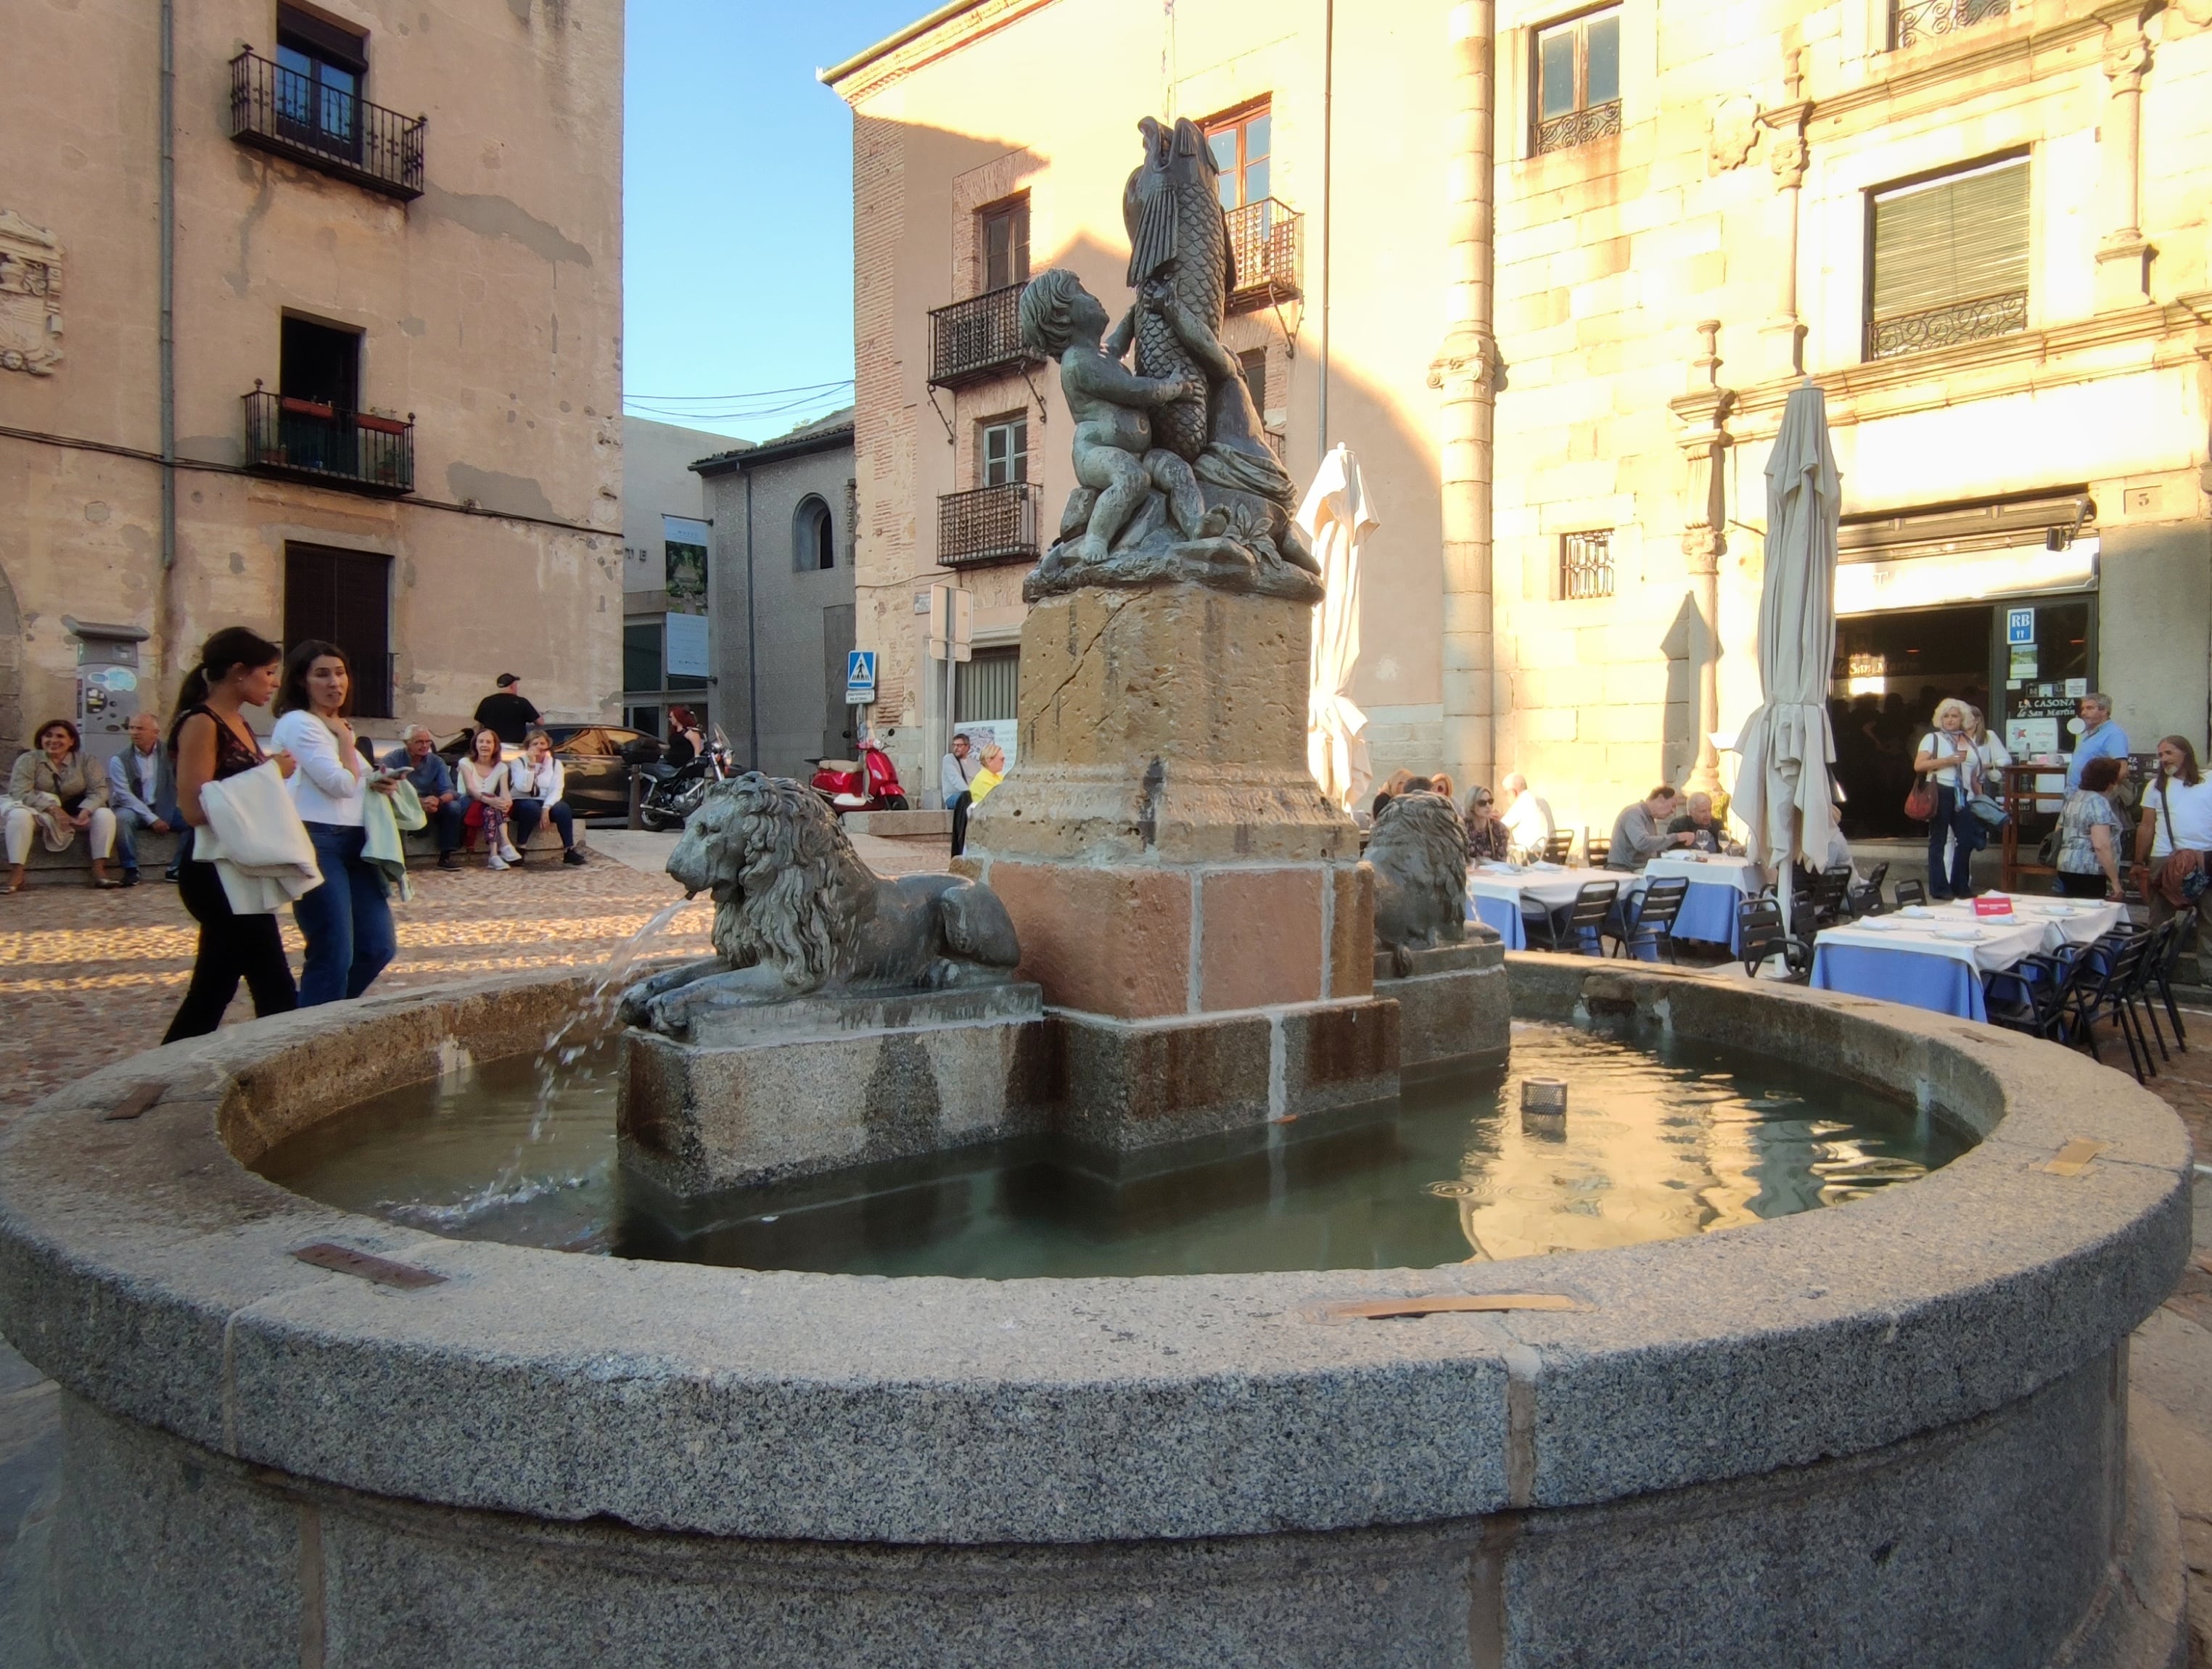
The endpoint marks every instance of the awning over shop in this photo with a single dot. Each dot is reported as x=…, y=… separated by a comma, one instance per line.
x=1968, y=576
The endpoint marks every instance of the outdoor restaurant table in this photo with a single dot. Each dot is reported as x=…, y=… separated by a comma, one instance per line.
x=1717, y=885
x=1495, y=892
x=1919, y=960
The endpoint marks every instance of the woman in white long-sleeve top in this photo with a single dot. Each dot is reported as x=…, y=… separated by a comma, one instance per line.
x=488, y=796
x=538, y=782
x=346, y=921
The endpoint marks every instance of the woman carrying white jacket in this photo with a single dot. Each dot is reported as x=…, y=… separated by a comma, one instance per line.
x=537, y=781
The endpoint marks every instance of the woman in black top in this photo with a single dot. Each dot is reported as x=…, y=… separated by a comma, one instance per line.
x=685, y=743
x=208, y=742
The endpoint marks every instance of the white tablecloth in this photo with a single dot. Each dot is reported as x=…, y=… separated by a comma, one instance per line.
x=1741, y=873
x=1495, y=893
x=1993, y=944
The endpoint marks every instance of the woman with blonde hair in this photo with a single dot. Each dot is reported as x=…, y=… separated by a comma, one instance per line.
x=1953, y=768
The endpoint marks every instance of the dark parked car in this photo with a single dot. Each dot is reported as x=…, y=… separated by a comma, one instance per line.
x=596, y=760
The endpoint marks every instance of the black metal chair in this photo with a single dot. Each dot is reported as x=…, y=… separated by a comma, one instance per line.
x=1586, y=919
x=1866, y=900
x=1596, y=848
x=2162, y=976
x=2034, y=996
x=2143, y=988
x=1761, y=938
x=1653, y=922
x=2104, y=975
x=1911, y=892
x=1559, y=847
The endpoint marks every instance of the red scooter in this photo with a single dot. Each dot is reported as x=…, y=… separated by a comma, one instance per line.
x=870, y=783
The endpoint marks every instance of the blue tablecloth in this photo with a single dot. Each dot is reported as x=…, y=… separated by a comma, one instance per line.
x=1945, y=984
x=1502, y=914
x=1709, y=915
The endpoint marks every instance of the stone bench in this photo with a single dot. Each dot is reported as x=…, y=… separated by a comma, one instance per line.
x=46, y=868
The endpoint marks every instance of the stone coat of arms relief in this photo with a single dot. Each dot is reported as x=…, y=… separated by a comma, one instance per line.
x=30, y=296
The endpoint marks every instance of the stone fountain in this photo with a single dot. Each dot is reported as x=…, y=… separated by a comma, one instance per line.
x=1892, y=1433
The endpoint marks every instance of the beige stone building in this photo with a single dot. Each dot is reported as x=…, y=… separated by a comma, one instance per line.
x=1550, y=271
x=346, y=364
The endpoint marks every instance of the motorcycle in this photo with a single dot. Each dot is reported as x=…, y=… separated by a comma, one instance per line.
x=870, y=783
x=673, y=793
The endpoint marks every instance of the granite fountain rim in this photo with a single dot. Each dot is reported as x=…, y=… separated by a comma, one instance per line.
x=146, y=1269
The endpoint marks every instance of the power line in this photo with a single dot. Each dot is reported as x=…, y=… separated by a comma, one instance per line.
x=749, y=394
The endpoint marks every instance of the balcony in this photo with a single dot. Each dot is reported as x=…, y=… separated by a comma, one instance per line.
x=1263, y=237
x=307, y=440
x=987, y=525
x=977, y=338
x=283, y=113
x=1909, y=26
x=1976, y=321
x=1579, y=127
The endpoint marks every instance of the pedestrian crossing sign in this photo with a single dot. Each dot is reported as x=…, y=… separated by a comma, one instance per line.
x=859, y=677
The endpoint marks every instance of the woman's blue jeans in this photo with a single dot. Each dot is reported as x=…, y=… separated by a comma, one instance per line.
x=346, y=920
x=1953, y=815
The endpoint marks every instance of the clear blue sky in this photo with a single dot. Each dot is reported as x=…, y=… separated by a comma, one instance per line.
x=737, y=234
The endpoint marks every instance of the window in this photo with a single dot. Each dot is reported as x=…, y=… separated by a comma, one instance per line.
x=987, y=688
x=1006, y=243
x=1578, y=80
x=1254, y=364
x=320, y=68
x=813, y=536
x=345, y=597
x=1006, y=452
x=1946, y=260
x=1585, y=565
x=1242, y=141
x=319, y=364
x=641, y=657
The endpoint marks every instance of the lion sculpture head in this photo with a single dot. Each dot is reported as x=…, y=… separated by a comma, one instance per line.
x=788, y=885
x=1419, y=853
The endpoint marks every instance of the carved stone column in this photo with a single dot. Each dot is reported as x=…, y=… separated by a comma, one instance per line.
x=1783, y=337
x=1467, y=370
x=2123, y=255
x=1705, y=442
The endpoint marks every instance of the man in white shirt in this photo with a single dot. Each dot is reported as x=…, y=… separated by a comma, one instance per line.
x=2177, y=819
x=142, y=789
x=955, y=772
x=1526, y=816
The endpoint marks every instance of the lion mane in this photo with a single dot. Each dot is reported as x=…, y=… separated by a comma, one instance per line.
x=788, y=887
x=1419, y=853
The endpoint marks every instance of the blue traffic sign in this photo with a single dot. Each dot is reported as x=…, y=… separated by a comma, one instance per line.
x=2020, y=625
x=859, y=677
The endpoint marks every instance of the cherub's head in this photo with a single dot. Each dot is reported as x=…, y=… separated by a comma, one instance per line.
x=1057, y=310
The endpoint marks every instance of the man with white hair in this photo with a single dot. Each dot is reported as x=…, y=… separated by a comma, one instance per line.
x=1526, y=817
x=433, y=786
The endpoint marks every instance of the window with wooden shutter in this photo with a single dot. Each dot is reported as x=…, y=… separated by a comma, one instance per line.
x=345, y=597
x=1005, y=229
x=1947, y=260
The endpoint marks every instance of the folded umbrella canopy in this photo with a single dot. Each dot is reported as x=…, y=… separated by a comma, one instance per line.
x=1337, y=517
x=1782, y=792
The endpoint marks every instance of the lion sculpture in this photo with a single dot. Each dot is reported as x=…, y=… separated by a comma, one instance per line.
x=796, y=912
x=1419, y=853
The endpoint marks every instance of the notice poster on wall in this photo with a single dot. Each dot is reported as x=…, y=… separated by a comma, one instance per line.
x=685, y=542
x=688, y=646
x=993, y=734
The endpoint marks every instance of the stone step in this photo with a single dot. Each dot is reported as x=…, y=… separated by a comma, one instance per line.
x=896, y=825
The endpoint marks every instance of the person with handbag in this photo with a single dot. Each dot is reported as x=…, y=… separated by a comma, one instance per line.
x=1950, y=774
x=2174, y=842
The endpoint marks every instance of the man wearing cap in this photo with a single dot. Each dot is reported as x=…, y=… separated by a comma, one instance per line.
x=507, y=711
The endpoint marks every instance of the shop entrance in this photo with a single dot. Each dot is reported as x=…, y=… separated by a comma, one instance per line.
x=1893, y=668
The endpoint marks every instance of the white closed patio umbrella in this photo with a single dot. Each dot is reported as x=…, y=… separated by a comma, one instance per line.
x=1782, y=793
x=1337, y=517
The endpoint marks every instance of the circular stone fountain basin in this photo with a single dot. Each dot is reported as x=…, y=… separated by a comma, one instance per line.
x=1665, y=1137
x=1891, y=1433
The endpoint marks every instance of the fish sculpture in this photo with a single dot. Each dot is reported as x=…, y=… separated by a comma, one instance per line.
x=1178, y=238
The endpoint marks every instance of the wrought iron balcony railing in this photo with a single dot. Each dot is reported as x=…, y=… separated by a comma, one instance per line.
x=1976, y=321
x=987, y=524
x=1579, y=127
x=976, y=338
x=1909, y=24
x=289, y=114
x=309, y=440
x=1263, y=236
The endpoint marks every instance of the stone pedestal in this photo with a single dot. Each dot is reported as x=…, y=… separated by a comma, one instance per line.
x=1161, y=845
x=1454, y=1011
x=772, y=1094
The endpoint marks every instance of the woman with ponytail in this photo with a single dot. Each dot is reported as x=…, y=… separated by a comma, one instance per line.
x=210, y=741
